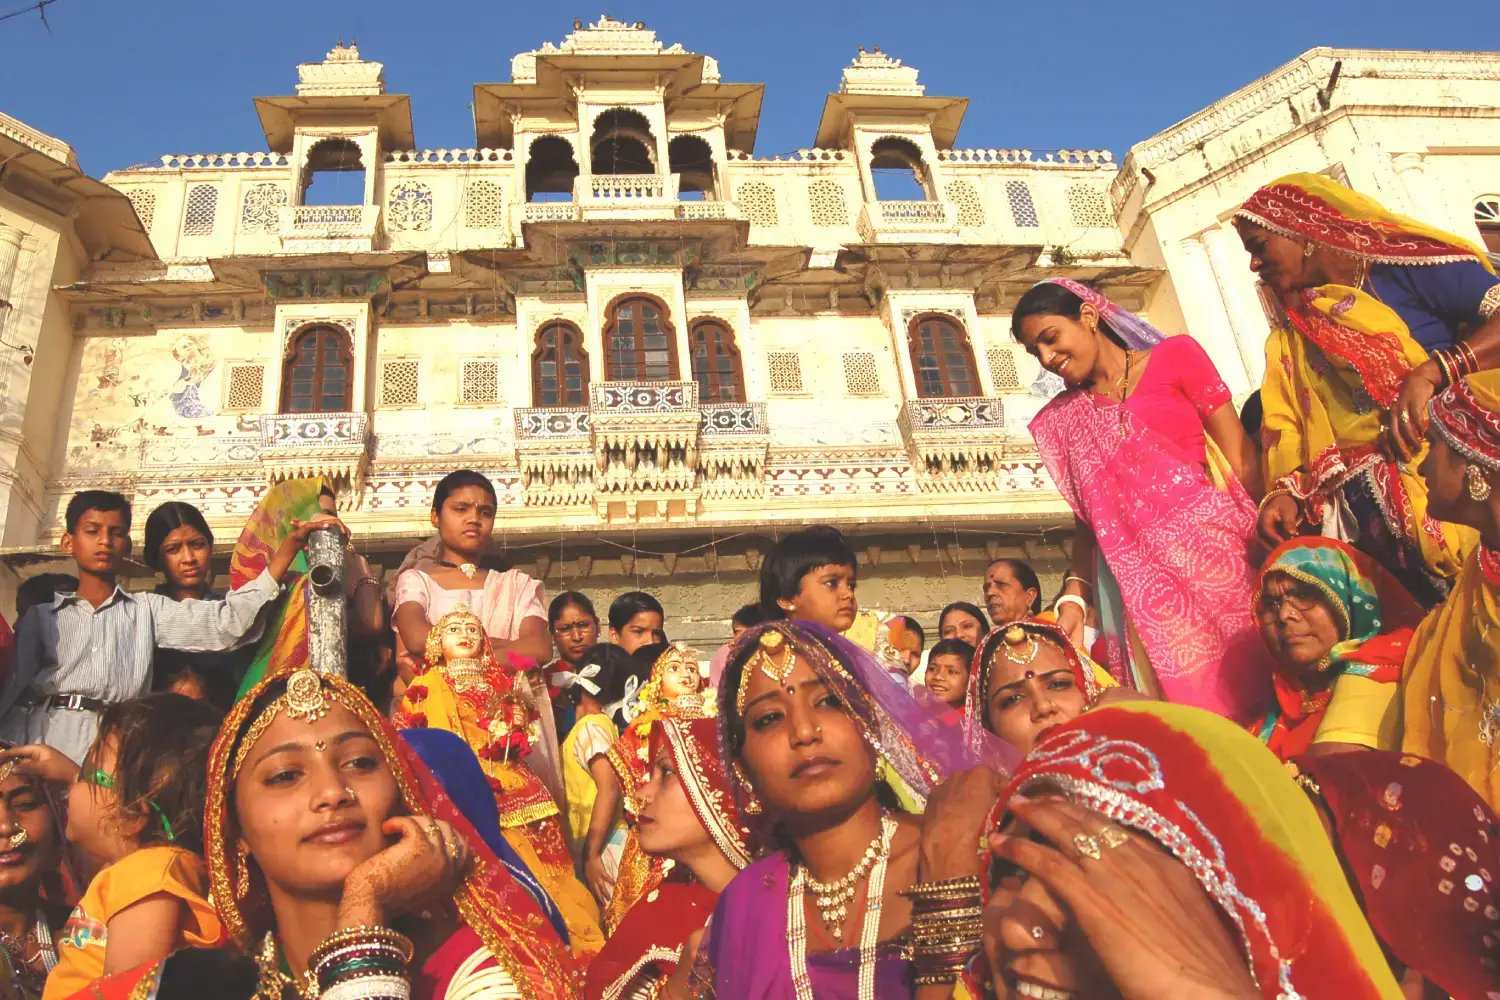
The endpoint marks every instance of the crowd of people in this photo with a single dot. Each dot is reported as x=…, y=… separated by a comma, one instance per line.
x=1246, y=749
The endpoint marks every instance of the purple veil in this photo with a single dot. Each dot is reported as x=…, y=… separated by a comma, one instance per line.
x=1136, y=332
x=744, y=954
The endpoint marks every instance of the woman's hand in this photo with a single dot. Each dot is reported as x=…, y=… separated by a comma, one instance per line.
x=954, y=823
x=1280, y=517
x=1408, y=417
x=36, y=760
x=1151, y=925
x=424, y=866
x=600, y=884
x=296, y=541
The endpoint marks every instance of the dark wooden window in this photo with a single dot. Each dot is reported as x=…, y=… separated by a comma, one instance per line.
x=941, y=358
x=639, y=344
x=559, y=367
x=318, y=376
x=716, y=363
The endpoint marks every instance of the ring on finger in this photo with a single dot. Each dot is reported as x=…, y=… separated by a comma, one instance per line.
x=1405, y=417
x=1112, y=836
x=1088, y=846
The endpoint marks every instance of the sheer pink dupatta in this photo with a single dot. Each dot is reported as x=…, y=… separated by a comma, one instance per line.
x=1174, y=549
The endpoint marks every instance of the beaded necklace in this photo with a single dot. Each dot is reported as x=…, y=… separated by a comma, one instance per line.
x=46, y=954
x=869, y=931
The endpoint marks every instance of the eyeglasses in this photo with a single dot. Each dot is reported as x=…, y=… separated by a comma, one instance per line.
x=106, y=780
x=576, y=628
x=1271, y=606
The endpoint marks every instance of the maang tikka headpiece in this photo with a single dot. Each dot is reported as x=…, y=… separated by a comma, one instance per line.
x=773, y=657
x=304, y=700
x=1020, y=645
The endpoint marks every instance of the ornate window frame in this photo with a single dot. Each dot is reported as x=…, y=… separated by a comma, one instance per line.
x=289, y=355
x=664, y=321
x=913, y=327
x=536, y=359
x=730, y=345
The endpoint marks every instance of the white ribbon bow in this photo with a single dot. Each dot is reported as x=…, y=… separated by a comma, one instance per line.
x=583, y=678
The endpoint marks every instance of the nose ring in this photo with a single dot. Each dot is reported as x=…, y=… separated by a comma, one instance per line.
x=350, y=792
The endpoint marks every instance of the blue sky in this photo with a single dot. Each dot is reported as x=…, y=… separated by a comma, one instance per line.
x=128, y=81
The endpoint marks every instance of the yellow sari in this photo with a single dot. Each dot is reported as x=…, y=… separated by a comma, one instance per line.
x=1335, y=363
x=1451, y=680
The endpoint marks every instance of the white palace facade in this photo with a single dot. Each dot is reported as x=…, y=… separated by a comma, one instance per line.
x=662, y=349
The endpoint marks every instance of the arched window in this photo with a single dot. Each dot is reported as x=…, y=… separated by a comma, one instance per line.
x=899, y=173
x=639, y=343
x=1487, y=218
x=550, y=169
x=559, y=367
x=941, y=358
x=622, y=143
x=692, y=160
x=716, y=363
x=318, y=376
x=334, y=174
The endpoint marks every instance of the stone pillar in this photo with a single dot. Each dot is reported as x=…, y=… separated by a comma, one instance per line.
x=1426, y=203
x=1203, y=308
x=1246, y=318
x=10, y=252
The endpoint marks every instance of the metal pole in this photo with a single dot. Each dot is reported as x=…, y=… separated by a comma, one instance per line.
x=327, y=610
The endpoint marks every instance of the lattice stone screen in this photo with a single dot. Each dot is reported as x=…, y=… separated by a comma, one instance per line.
x=261, y=210
x=1003, y=371
x=758, y=201
x=786, y=371
x=398, y=383
x=1022, y=208
x=825, y=198
x=409, y=207
x=860, y=375
x=1086, y=204
x=479, y=382
x=202, y=204
x=484, y=206
x=970, y=206
x=144, y=200
x=246, y=387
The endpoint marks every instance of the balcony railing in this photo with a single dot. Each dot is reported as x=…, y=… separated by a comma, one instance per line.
x=898, y=221
x=549, y=211
x=333, y=228
x=630, y=185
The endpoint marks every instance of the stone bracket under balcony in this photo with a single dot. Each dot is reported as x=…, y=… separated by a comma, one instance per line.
x=308, y=445
x=733, y=439
x=908, y=222
x=956, y=443
x=555, y=453
x=328, y=228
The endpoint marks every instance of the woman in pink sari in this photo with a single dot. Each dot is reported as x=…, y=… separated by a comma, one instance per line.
x=1147, y=449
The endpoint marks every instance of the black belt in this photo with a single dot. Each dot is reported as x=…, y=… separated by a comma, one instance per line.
x=71, y=702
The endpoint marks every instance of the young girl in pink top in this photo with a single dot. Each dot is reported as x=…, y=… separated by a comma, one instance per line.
x=1165, y=523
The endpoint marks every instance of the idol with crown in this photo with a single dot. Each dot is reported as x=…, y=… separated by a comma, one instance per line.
x=462, y=687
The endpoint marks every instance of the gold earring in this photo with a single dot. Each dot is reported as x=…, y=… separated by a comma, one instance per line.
x=752, y=804
x=1479, y=487
x=242, y=876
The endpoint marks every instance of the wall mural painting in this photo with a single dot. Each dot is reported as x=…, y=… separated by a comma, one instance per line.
x=138, y=387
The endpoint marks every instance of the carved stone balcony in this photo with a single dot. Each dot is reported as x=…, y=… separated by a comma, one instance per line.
x=908, y=222
x=732, y=442
x=305, y=445
x=956, y=443
x=715, y=211
x=555, y=452
x=645, y=436
x=642, y=451
x=328, y=228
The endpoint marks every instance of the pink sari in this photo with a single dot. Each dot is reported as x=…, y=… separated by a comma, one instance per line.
x=1177, y=546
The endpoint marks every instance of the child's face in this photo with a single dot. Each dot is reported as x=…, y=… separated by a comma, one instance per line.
x=948, y=678
x=826, y=597
x=642, y=630
x=466, y=520
x=99, y=542
x=94, y=821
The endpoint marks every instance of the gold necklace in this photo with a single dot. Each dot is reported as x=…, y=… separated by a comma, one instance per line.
x=272, y=980
x=833, y=898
